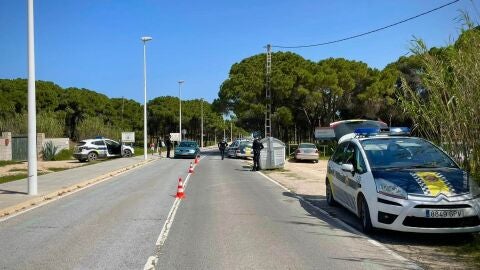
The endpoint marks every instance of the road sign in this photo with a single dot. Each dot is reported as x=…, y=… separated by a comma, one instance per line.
x=175, y=137
x=128, y=137
x=184, y=131
x=324, y=133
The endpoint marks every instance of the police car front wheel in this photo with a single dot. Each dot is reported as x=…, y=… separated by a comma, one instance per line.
x=365, y=215
x=127, y=153
x=330, y=200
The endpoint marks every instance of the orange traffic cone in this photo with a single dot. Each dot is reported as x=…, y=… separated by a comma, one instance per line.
x=180, y=194
x=196, y=160
x=190, y=169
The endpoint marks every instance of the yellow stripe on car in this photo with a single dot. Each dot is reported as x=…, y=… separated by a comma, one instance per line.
x=433, y=183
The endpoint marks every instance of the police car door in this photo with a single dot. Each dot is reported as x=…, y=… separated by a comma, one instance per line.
x=353, y=178
x=101, y=148
x=336, y=175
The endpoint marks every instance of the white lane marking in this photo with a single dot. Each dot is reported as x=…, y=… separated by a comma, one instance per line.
x=152, y=261
x=42, y=203
x=411, y=264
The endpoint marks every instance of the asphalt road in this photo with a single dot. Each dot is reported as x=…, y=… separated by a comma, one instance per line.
x=231, y=218
x=112, y=225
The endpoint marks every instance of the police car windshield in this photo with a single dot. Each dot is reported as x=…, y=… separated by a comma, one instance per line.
x=390, y=153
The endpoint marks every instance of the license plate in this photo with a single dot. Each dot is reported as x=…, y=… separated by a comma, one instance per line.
x=444, y=213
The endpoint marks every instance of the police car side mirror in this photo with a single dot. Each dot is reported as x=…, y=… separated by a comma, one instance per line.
x=347, y=168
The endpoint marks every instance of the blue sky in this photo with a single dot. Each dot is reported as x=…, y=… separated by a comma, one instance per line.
x=95, y=44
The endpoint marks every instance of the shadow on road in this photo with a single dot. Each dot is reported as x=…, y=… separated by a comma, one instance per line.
x=2, y=191
x=429, y=250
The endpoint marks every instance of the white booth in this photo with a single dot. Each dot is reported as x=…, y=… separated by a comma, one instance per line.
x=273, y=154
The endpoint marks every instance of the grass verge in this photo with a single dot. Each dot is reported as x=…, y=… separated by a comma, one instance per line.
x=8, y=162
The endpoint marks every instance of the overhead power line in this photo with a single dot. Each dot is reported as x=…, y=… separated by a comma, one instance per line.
x=369, y=32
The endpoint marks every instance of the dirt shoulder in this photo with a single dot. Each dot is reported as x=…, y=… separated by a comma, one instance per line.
x=429, y=251
x=42, y=166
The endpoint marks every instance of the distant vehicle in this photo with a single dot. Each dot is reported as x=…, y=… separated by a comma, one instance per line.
x=244, y=149
x=234, y=148
x=92, y=149
x=307, y=151
x=344, y=127
x=188, y=149
x=396, y=182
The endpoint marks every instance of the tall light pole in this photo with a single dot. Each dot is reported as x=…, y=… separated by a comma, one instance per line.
x=145, y=39
x=231, y=130
x=180, y=105
x=32, y=115
x=201, y=128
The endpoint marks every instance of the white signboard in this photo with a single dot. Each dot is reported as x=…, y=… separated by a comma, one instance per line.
x=175, y=137
x=324, y=133
x=128, y=137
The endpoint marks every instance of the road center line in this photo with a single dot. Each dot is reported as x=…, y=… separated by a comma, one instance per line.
x=152, y=261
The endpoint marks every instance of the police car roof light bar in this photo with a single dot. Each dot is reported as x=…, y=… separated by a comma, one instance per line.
x=366, y=131
x=400, y=131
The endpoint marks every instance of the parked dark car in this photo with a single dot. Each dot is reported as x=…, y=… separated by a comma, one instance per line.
x=189, y=149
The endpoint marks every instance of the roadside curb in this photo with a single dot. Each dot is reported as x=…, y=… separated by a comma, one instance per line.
x=409, y=263
x=18, y=208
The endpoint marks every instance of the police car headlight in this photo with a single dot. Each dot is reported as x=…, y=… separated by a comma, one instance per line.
x=390, y=189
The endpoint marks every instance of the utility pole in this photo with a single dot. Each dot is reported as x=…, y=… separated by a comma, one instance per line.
x=268, y=96
x=201, y=129
x=180, y=106
x=32, y=111
x=231, y=130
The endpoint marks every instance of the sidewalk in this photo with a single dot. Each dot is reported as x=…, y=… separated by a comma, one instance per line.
x=14, y=195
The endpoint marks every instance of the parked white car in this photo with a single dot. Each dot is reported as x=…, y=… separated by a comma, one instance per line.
x=91, y=149
x=402, y=183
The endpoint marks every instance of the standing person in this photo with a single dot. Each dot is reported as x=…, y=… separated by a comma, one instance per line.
x=257, y=147
x=152, y=147
x=159, y=146
x=168, y=144
x=222, y=145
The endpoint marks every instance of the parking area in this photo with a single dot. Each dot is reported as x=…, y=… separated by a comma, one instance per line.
x=431, y=251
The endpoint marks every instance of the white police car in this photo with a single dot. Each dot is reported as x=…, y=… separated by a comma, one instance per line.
x=393, y=181
x=91, y=149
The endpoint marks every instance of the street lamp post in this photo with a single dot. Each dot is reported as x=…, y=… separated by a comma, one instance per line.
x=201, y=128
x=145, y=39
x=180, y=105
x=32, y=121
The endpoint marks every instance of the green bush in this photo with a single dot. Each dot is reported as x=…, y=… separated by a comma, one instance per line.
x=65, y=154
x=446, y=110
x=48, y=151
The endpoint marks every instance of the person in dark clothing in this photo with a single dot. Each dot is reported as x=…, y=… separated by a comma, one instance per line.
x=256, y=147
x=168, y=144
x=222, y=145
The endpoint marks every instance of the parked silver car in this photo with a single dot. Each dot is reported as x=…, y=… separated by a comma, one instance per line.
x=307, y=151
